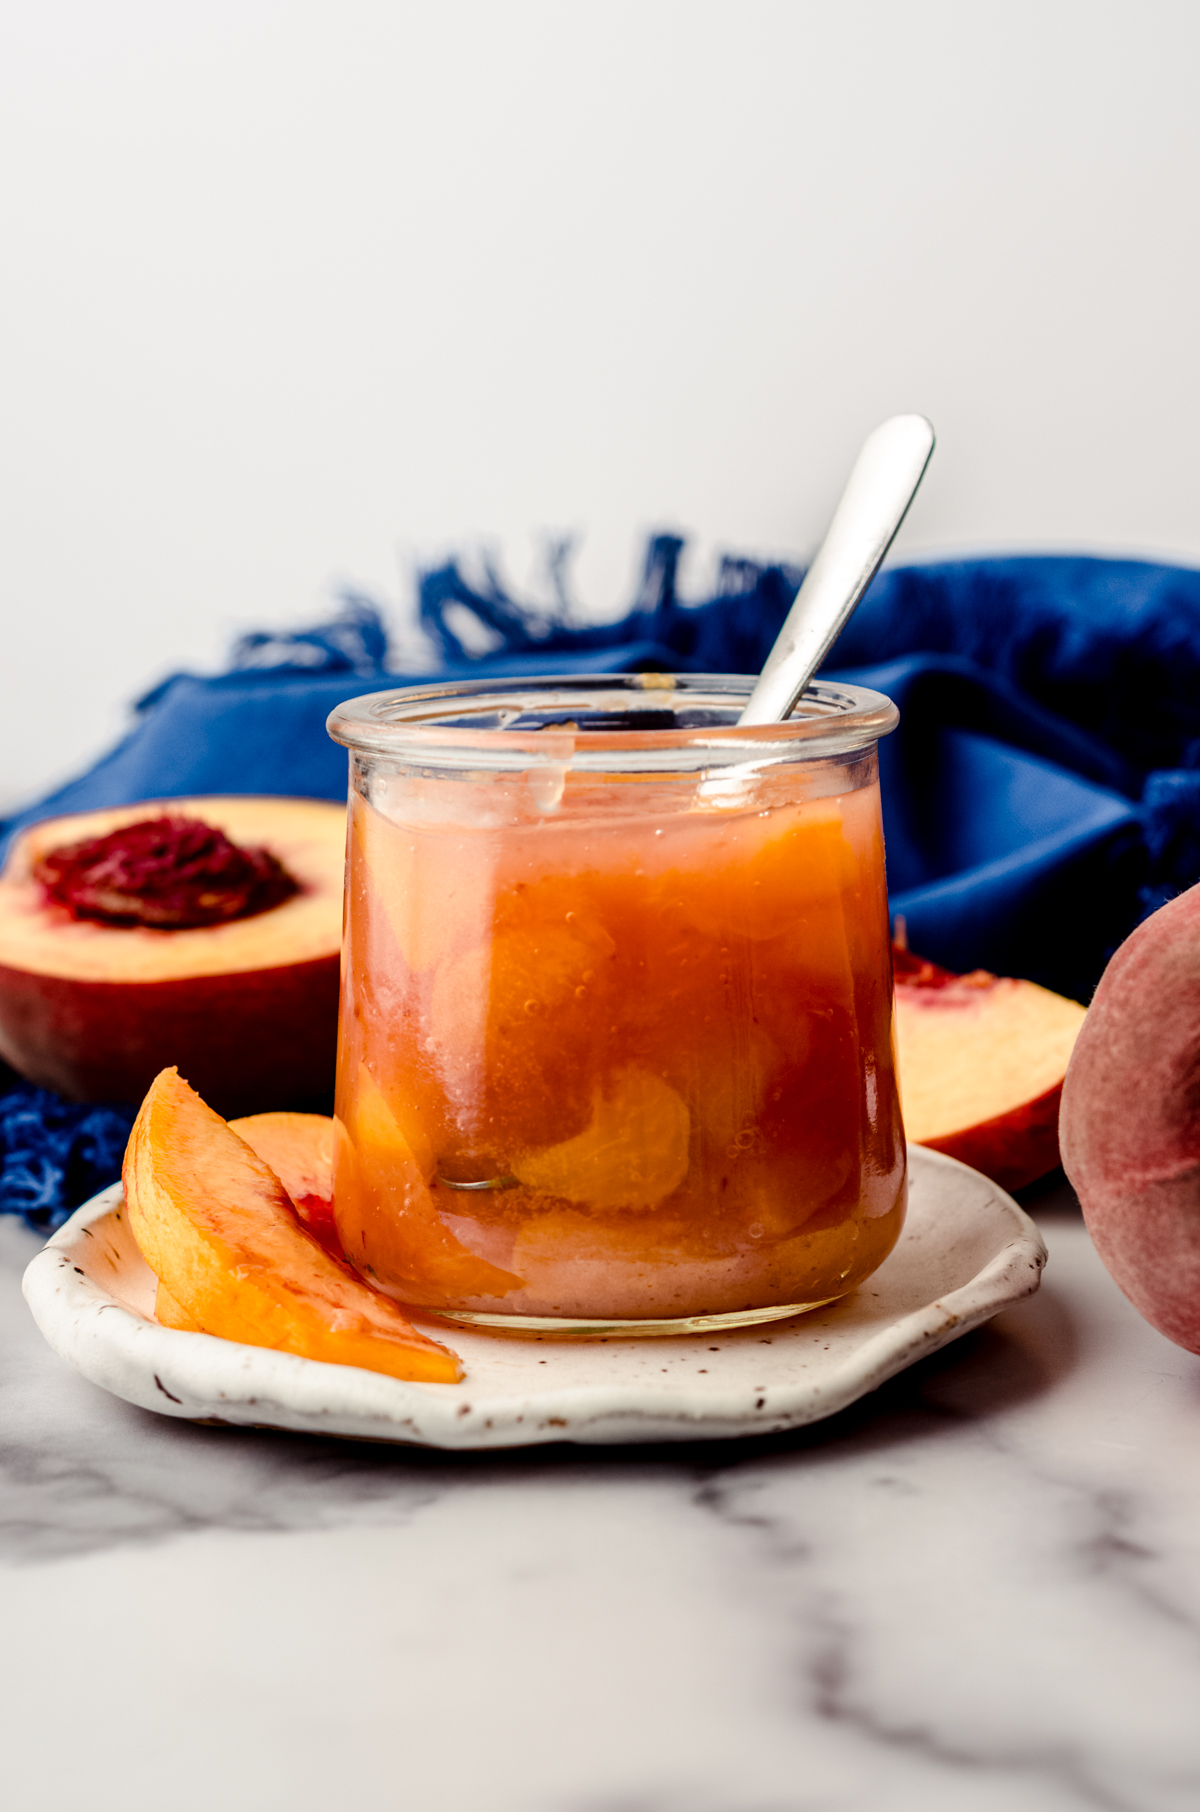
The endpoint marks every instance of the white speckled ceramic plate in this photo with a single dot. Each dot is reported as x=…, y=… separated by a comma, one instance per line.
x=967, y=1251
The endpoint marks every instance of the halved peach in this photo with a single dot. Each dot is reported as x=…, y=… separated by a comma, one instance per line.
x=216, y=1226
x=982, y=1060
x=247, y=1008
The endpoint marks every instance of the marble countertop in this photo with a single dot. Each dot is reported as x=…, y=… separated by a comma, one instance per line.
x=978, y=1588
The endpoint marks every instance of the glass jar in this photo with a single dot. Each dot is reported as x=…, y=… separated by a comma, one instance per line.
x=615, y=1049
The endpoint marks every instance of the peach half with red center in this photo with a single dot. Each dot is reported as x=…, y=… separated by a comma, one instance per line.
x=982, y=1059
x=198, y=932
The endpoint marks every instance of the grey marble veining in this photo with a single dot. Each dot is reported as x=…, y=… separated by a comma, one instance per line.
x=979, y=1588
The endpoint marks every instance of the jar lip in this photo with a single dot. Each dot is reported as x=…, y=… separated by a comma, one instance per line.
x=499, y=716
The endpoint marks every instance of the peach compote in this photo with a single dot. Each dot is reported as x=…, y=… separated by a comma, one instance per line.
x=616, y=1028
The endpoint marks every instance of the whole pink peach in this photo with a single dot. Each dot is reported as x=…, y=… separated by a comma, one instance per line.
x=1129, y=1128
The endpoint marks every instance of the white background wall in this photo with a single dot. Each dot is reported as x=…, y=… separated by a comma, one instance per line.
x=300, y=290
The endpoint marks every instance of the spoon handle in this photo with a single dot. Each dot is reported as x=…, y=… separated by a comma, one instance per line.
x=873, y=505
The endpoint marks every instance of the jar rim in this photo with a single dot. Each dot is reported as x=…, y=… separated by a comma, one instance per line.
x=547, y=717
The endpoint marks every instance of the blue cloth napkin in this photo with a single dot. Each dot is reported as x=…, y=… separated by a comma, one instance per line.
x=1041, y=795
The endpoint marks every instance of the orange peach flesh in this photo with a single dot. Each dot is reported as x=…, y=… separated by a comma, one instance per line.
x=982, y=1060
x=216, y=1226
x=299, y=1149
x=172, y=1314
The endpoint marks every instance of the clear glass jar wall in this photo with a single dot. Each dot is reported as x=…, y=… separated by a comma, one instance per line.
x=615, y=1045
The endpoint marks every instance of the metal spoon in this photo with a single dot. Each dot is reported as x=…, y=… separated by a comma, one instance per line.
x=872, y=507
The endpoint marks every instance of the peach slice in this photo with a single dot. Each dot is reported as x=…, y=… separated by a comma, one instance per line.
x=385, y=1206
x=215, y=1224
x=299, y=1149
x=171, y=1314
x=982, y=1059
x=633, y=1154
x=247, y=1008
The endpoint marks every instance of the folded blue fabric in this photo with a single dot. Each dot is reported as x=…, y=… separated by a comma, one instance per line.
x=1041, y=794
